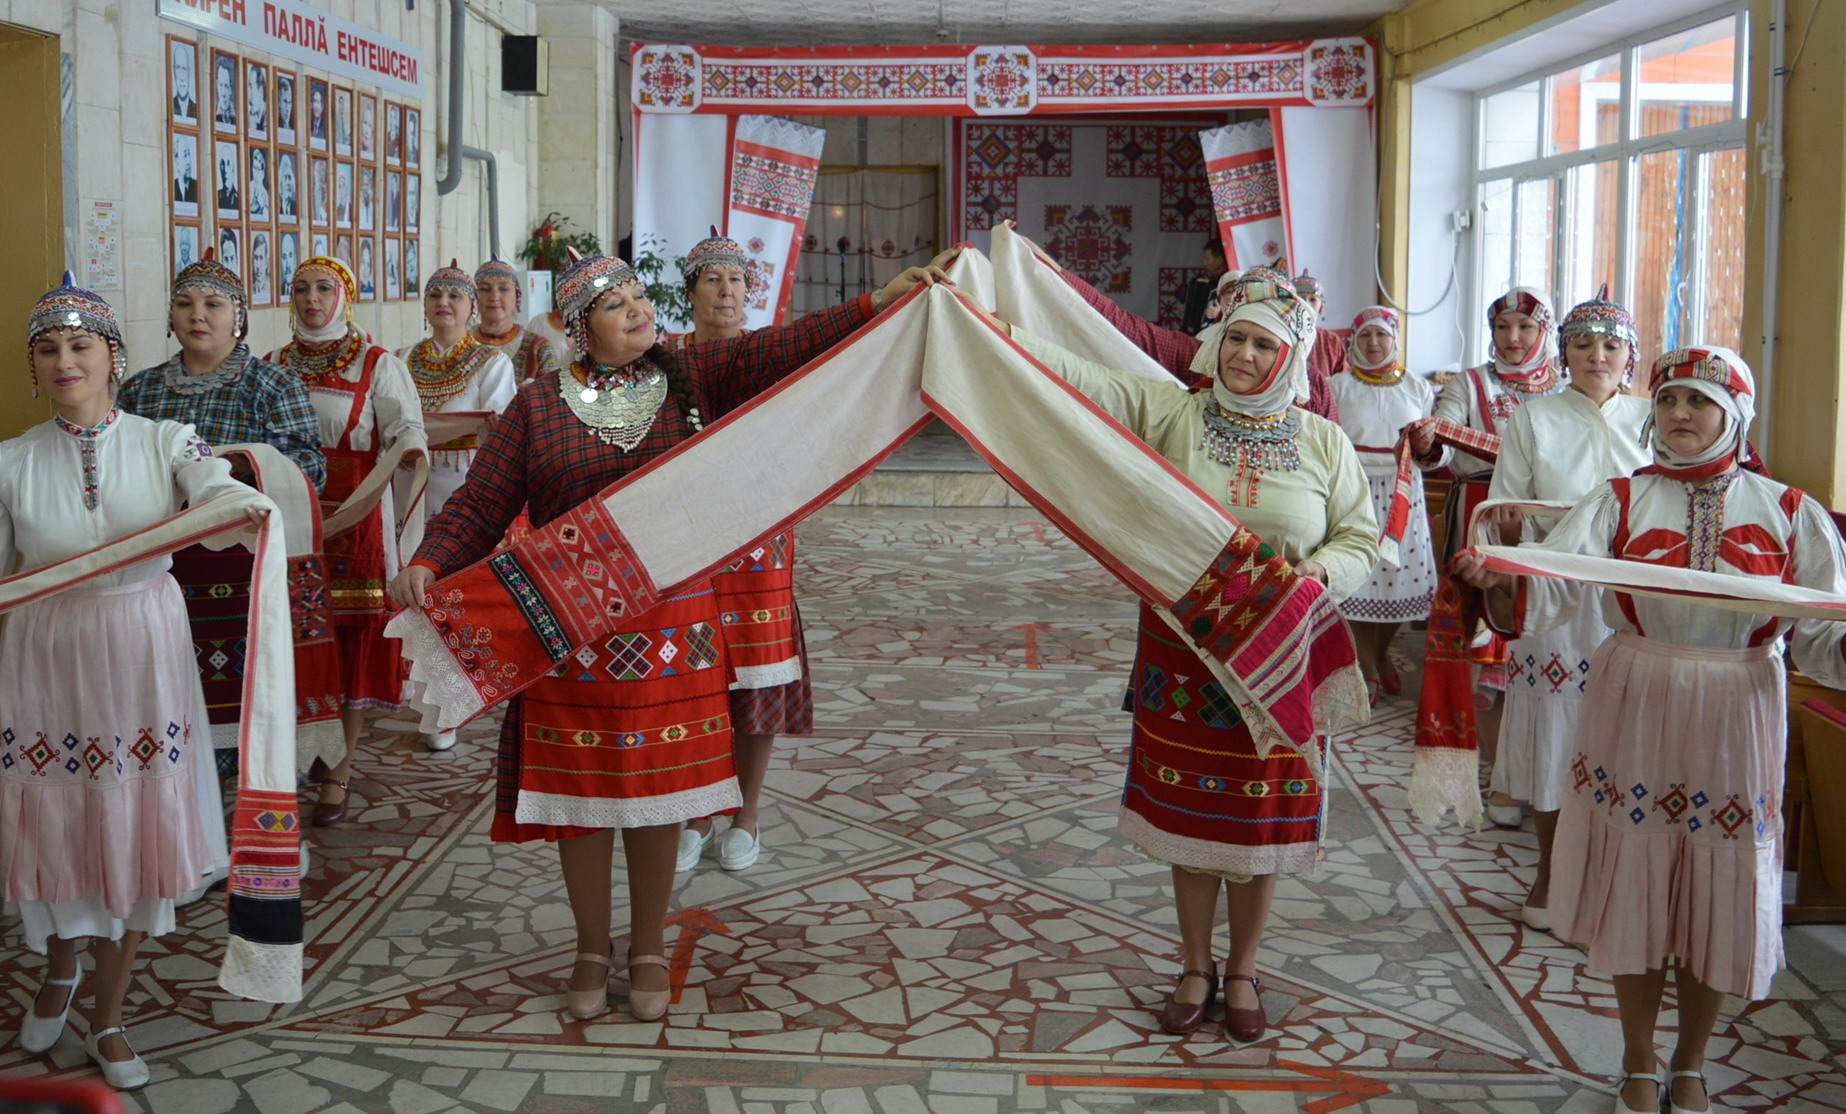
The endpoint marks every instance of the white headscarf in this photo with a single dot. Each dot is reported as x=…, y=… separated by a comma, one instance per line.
x=1534, y=304
x=1721, y=375
x=1385, y=318
x=1275, y=307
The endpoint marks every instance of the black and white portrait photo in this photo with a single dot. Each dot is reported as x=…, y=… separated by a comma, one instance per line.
x=368, y=198
x=342, y=121
x=411, y=263
x=185, y=246
x=413, y=138
x=394, y=133
x=318, y=191
x=185, y=175
x=183, y=66
x=320, y=243
x=394, y=200
x=343, y=249
x=368, y=269
x=256, y=100
x=368, y=127
x=229, y=199
x=343, y=195
x=262, y=289
x=413, y=190
x=229, y=252
x=285, y=107
x=288, y=257
x=393, y=290
x=256, y=200
x=288, y=207
x=224, y=91
x=317, y=113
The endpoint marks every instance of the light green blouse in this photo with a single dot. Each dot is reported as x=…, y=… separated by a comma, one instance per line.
x=1322, y=511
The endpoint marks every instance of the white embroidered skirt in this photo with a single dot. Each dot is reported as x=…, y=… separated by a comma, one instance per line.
x=109, y=804
x=1667, y=846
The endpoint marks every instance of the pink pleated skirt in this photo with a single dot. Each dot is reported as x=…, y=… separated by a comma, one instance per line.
x=101, y=727
x=1668, y=840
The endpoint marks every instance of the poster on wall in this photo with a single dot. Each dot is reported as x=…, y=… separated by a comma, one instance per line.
x=182, y=81
x=285, y=107
x=256, y=99
x=185, y=174
x=269, y=165
x=261, y=278
x=228, y=196
x=224, y=92
x=298, y=32
x=288, y=205
x=368, y=269
x=288, y=256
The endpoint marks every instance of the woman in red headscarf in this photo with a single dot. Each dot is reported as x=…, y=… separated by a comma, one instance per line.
x=1668, y=844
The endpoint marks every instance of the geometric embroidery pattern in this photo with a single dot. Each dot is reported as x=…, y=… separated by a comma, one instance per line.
x=1093, y=244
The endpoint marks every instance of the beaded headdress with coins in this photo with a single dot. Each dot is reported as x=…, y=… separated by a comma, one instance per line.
x=587, y=279
x=213, y=276
x=69, y=306
x=716, y=250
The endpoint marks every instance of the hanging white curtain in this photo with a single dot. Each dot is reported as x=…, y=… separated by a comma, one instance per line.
x=865, y=226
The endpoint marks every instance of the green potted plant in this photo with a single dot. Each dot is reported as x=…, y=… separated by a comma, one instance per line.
x=545, y=248
x=661, y=278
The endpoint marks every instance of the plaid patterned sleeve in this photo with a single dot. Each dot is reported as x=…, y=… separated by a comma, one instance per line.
x=731, y=372
x=476, y=517
x=1169, y=348
x=289, y=421
x=1320, y=398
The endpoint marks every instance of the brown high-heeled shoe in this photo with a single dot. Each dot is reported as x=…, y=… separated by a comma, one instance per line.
x=329, y=813
x=648, y=1005
x=1180, y=1018
x=1246, y=1025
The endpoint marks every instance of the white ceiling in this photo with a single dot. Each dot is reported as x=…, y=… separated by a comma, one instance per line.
x=909, y=22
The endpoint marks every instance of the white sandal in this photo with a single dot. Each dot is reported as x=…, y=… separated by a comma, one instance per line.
x=1621, y=1104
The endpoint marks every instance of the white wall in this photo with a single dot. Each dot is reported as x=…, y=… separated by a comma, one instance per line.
x=115, y=144
x=1441, y=133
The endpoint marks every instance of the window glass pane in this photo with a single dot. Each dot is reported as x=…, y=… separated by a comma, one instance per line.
x=1666, y=207
x=1509, y=126
x=1585, y=106
x=1721, y=249
x=1591, y=220
x=1495, y=273
x=1687, y=80
x=1532, y=261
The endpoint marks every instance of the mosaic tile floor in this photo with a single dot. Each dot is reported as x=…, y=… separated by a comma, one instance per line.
x=943, y=922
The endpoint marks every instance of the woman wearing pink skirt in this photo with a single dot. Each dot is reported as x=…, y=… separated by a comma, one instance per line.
x=1667, y=844
x=109, y=806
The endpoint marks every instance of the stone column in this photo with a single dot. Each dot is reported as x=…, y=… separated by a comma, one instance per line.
x=577, y=122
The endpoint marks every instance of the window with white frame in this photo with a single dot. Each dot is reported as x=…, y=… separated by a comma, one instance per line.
x=1626, y=167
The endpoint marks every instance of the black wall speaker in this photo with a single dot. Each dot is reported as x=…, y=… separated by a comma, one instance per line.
x=525, y=66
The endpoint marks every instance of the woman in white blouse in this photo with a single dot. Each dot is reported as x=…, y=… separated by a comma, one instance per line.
x=1669, y=838
x=109, y=805
x=1557, y=449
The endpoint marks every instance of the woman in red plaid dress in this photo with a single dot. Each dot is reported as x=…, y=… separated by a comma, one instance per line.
x=635, y=733
x=772, y=694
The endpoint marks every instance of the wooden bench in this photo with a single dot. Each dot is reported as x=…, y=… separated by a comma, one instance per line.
x=1815, y=803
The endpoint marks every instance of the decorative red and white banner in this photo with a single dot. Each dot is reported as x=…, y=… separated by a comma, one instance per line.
x=1243, y=168
x=1122, y=202
x=774, y=164
x=1000, y=80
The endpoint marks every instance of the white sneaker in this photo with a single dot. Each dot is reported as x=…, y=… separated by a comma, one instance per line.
x=692, y=845
x=441, y=740
x=738, y=849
